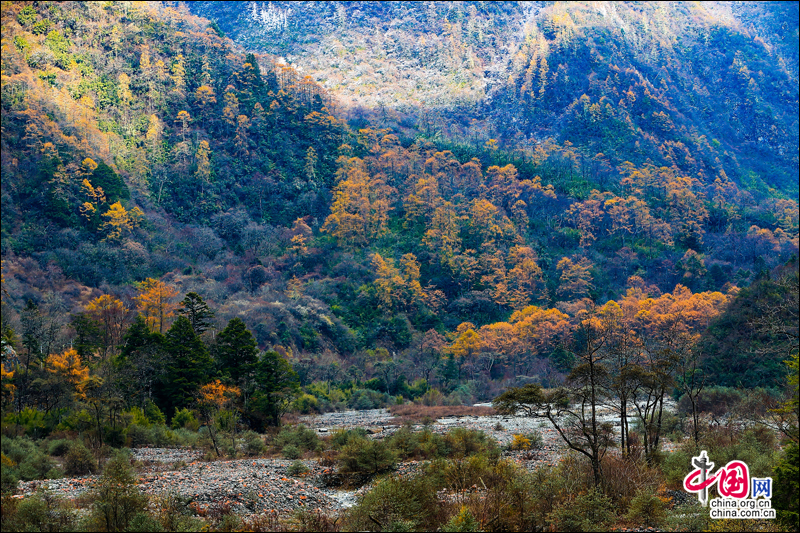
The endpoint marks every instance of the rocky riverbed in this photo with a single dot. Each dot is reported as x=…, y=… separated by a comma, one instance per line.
x=254, y=486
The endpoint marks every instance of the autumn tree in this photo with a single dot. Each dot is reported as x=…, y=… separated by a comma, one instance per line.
x=214, y=399
x=361, y=206
x=575, y=280
x=155, y=303
x=112, y=315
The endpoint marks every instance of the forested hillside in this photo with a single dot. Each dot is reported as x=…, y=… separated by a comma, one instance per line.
x=301, y=207
x=140, y=142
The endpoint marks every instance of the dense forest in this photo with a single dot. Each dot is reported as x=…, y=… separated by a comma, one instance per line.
x=307, y=207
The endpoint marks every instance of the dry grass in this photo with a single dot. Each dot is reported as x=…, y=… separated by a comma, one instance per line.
x=423, y=413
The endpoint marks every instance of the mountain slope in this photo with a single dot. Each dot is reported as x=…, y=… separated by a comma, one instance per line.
x=656, y=72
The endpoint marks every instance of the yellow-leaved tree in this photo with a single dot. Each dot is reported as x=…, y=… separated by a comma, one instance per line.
x=111, y=314
x=155, y=303
x=216, y=400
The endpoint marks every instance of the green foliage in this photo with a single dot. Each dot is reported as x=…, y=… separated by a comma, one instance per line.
x=153, y=413
x=235, y=350
x=366, y=456
x=79, y=461
x=300, y=437
x=647, y=509
x=297, y=468
x=411, y=503
x=290, y=451
x=590, y=511
x=787, y=487
x=185, y=418
x=117, y=499
x=43, y=511
x=305, y=404
x=190, y=366
x=276, y=385
x=27, y=16
x=26, y=461
x=463, y=521
x=342, y=437
x=253, y=443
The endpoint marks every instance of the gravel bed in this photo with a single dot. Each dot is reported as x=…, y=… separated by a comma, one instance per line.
x=246, y=486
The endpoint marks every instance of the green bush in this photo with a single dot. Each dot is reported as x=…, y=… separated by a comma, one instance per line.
x=117, y=499
x=184, y=419
x=463, y=521
x=79, y=460
x=143, y=522
x=253, y=443
x=290, y=451
x=305, y=404
x=58, y=448
x=647, y=508
x=150, y=435
x=301, y=437
x=8, y=477
x=590, y=511
x=41, y=512
x=29, y=462
x=400, y=504
x=341, y=437
x=297, y=468
x=787, y=488
x=366, y=456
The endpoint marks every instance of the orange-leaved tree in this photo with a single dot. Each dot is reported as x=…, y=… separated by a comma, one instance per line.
x=111, y=314
x=215, y=400
x=155, y=303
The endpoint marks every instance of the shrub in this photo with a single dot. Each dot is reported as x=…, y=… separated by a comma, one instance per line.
x=58, y=448
x=290, y=451
x=297, y=468
x=520, y=442
x=366, y=456
x=153, y=413
x=305, y=404
x=407, y=504
x=463, y=521
x=787, y=488
x=301, y=437
x=253, y=443
x=24, y=460
x=184, y=419
x=41, y=512
x=143, y=522
x=646, y=508
x=688, y=517
x=341, y=437
x=117, y=498
x=8, y=477
x=79, y=460
x=590, y=511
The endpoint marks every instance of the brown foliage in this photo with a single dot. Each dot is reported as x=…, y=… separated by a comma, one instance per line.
x=418, y=413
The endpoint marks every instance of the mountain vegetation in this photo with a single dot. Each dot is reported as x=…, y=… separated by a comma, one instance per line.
x=365, y=204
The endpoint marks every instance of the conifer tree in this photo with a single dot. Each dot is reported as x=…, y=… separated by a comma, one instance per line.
x=189, y=366
x=235, y=350
x=197, y=311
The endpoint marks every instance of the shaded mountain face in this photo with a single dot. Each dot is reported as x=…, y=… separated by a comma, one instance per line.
x=681, y=85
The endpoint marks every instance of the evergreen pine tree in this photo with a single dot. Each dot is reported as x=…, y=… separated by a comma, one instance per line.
x=235, y=351
x=276, y=384
x=197, y=311
x=189, y=366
